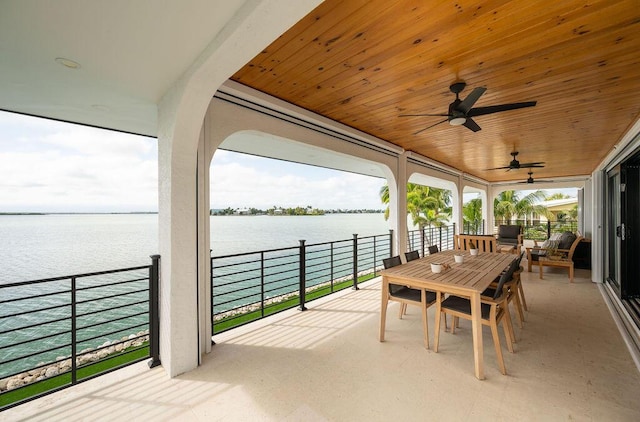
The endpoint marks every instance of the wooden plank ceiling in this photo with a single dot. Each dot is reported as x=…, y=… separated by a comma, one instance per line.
x=365, y=62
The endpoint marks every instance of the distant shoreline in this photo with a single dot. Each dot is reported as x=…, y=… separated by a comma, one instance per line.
x=76, y=213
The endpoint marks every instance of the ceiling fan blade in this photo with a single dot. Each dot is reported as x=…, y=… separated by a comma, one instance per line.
x=501, y=168
x=422, y=115
x=429, y=127
x=531, y=165
x=480, y=111
x=471, y=99
x=470, y=124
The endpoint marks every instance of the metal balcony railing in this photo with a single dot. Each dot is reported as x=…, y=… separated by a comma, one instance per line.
x=542, y=230
x=57, y=332
x=442, y=237
x=252, y=285
x=475, y=227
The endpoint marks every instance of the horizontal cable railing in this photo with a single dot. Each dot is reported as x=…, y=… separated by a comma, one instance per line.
x=252, y=285
x=442, y=237
x=59, y=331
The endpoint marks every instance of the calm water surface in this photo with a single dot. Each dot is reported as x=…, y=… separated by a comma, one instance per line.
x=45, y=246
x=42, y=246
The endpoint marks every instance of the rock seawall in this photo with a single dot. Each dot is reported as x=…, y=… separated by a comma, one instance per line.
x=63, y=363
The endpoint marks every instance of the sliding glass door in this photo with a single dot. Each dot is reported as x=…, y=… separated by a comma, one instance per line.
x=622, y=263
x=613, y=229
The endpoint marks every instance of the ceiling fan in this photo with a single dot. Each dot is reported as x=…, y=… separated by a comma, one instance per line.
x=530, y=179
x=515, y=164
x=462, y=111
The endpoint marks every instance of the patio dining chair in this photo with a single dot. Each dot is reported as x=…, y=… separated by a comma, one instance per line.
x=408, y=296
x=493, y=309
x=433, y=249
x=515, y=293
x=410, y=256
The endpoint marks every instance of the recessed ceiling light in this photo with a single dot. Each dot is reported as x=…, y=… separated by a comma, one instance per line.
x=68, y=63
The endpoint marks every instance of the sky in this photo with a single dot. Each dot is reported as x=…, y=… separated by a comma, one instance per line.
x=50, y=166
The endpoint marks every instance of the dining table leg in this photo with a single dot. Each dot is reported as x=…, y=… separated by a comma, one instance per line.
x=384, y=301
x=476, y=327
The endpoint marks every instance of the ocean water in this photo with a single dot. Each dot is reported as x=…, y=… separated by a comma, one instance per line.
x=43, y=246
x=36, y=247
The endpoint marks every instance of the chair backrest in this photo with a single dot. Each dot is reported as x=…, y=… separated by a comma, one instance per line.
x=485, y=243
x=509, y=231
x=410, y=256
x=509, y=234
x=506, y=276
x=574, y=245
x=433, y=249
x=391, y=262
x=519, y=260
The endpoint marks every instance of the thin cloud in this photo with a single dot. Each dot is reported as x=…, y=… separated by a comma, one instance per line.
x=239, y=184
x=49, y=166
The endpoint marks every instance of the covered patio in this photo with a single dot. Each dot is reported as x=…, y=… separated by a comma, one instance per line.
x=327, y=364
x=180, y=72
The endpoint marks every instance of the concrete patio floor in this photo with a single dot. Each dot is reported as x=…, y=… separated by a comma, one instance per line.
x=326, y=364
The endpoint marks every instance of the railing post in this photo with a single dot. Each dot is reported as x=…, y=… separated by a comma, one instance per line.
x=355, y=262
x=331, y=259
x=548, y=229
x=74, y=351
x=422, y=239
x=303, y=276
x=452, y=237
x=154, y=314
x=262, y=284
x=374, y=256
x=390, y=243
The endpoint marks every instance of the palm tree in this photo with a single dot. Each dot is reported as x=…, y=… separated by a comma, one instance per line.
x=384, y=197
x=508, y=205
x=472, y=211
x=427, y=206
x=573, y=212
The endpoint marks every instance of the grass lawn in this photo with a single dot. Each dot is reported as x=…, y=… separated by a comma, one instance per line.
x=121, y=359
x=292, y=302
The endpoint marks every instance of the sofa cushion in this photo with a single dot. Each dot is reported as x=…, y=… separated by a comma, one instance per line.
x=566, y=240
x=552, y=242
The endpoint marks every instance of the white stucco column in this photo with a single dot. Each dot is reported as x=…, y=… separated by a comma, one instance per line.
x=457, y=207
x=401, y=204
x=180, y=116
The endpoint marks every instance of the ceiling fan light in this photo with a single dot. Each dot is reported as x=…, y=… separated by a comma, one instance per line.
x=457, y=121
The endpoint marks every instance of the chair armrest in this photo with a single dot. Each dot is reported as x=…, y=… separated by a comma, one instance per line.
x=491, y=301
x=535, y=248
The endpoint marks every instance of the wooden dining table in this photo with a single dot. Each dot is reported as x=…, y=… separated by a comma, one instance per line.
x=467, y=279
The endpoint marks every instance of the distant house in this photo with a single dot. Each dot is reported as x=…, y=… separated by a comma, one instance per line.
x=559, y=206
